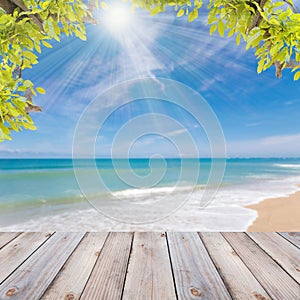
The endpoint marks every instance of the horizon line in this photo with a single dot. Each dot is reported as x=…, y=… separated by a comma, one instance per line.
x=175, y=157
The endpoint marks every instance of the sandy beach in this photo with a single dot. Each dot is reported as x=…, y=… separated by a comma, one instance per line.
x=277, y=214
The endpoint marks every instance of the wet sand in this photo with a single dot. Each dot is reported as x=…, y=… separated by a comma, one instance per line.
x=277, y=214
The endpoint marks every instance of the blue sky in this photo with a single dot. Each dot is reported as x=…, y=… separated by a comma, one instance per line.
x=259, y=114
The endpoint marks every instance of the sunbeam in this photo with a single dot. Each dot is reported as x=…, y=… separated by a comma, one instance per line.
x=125, y=46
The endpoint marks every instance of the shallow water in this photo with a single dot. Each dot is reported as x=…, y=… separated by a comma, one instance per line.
x=40, y=194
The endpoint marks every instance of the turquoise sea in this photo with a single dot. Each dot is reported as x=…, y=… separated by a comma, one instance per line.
x=40, y=194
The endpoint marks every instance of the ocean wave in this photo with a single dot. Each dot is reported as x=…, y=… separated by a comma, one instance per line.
x=288, y=166
x=226, y=213
x=262, y=176
x=143, y=192
x=153, y=192
x=257, y=191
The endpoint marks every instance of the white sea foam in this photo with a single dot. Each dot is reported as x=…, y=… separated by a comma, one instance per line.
x=257, y=191
x=153, y=192
x=188, y=218
x=143, y=192
x=288, y=166
x=226, y=213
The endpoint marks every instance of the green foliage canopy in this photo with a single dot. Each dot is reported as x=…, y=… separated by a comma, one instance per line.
x=26, y=26
x=272, y=28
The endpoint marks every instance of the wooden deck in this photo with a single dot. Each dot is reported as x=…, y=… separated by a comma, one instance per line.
x=149, y=266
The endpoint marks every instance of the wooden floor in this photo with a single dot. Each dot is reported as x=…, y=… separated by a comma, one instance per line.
x=149, y=266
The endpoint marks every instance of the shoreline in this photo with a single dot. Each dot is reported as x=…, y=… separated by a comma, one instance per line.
x=277, y=214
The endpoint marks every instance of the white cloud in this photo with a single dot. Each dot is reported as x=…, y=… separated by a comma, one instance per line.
x=277, y=145
x=254, y=124
x=286, y=140
x=176, y=132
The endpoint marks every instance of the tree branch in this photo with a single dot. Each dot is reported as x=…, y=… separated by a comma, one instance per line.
x=7, y=6
x=10, y=5
x=88, y=18
x=289, y=65
x=257, y=18
x=33, y=108
x=35, y=18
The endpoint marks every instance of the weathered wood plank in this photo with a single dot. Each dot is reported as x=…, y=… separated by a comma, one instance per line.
x=108, y=275
x=71, y=280
x=281, y=250
x=16, y=252
x=278, y=284
x=32, y=278
x=149, y=273
x=195, y=274
x=237, y=277
x=6, y=237
x=293, y=237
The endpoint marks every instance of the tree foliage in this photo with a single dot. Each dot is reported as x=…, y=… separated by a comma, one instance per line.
x=25, y=27
x=271, y=27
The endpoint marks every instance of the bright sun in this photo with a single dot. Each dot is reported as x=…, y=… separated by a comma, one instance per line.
x=118, y=18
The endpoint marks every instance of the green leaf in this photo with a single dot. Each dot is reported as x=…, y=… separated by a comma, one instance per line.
x=155, y=10
x=46, y=44
x=238, y=39
x=212, y=29
x=297, y=76
x=29, y=126
x=221, y=28
x=193, y=15
x=104, y=5
x=180, y=13
x=260, y=66
x=41, y=90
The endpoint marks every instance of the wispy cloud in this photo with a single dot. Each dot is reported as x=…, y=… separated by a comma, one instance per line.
x=177, y=132
x=287, y=140
x=277, y=145
x=254, y=124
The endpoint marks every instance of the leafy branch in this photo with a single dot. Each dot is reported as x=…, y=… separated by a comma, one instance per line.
x=26, y=26
x=271, y=27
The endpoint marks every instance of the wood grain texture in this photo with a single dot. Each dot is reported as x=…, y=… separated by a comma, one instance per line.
x=16, y=252
x=278, y=284
x=237, y=277
x=149, y=273
x=31, y=279
x=71, y=280
x=70, y=266
x=108, y=275
x=6, y=237
x=293, y=237
x=287, y=255
x=195, y=274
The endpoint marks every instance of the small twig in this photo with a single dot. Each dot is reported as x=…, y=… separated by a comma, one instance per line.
x=88, y=18
x=33, y=108
x=7, y=6
x=257, y=18
x=288, y=65
x=30, y=107
x=13, y=4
